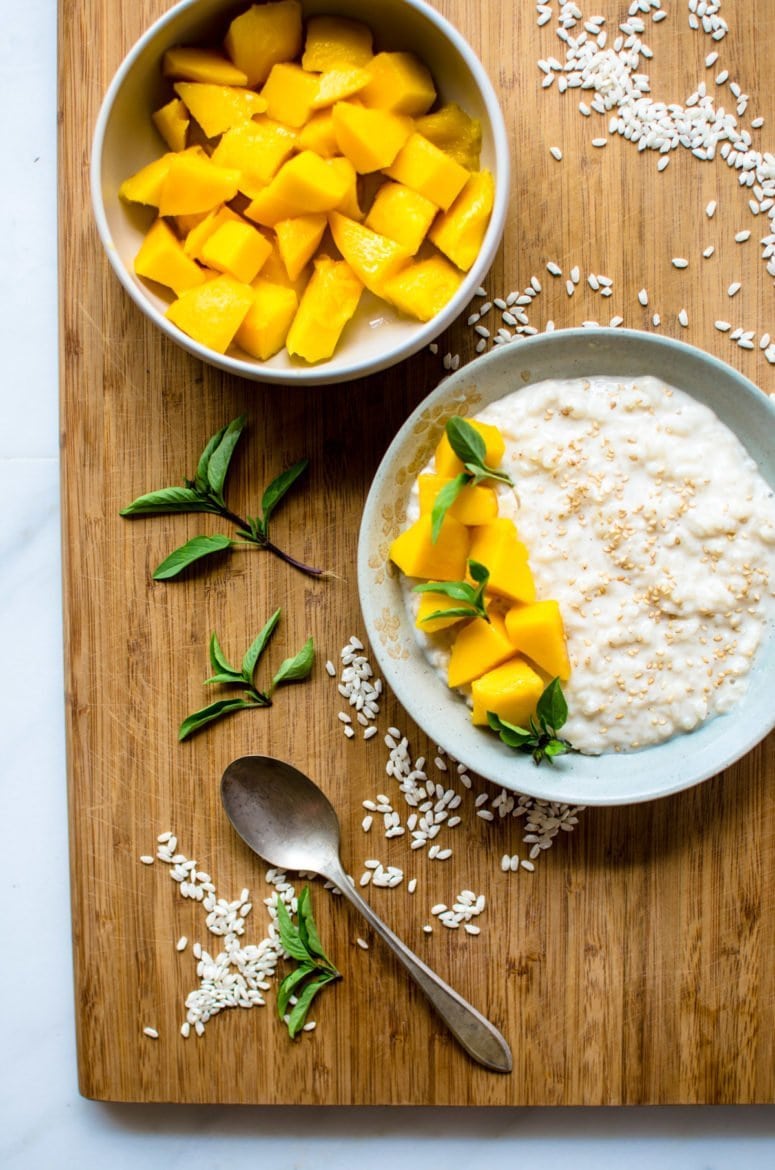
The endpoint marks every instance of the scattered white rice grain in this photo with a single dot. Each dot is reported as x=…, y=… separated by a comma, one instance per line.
x=570, y=287
x=411, y=885
x=664, y=162
x=593, y=282
x=553, y=268
x=485, y=814
x=536, y=284
x=711, y=59
x=556, y=153
x=505, y=863
x=439, y=908
x=146, y=859
x=182, y=943
x=470, y=928
x=615, y=322
x=443, y=854
x=709, y=251
x=722, y=77
x=734, y=288
x=741, y=237
x=764, y=341
x=349, y=732
x=343, y=717
x=656, y=320
x=599, y=141
x=643, y=297
x=330, y=668
x=683, y=318
x=710, y=210
x=428, y=929
x=434, y=347
x=440, y=764
x=722, y=326
x=575, y=274
x=679, y=262
x=757, y=123
x=361, y=942
x=528, y=865
x=151, y=1032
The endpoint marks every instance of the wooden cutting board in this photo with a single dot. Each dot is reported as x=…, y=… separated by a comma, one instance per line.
x=636, y=964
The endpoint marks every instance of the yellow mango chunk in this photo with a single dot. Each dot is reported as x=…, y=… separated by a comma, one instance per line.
x=447, y=462
x=431, y=602
x=319, y=135
x=189, y=64
x=172, y=122
x=304, y=185
x=423, y=289
x=497, y=546
x=399, y=82
x=371, y=139
x=161, y=258
x=257, y=149
x=459, y=232
x=194, y=183
x=201, y=232
x=238, y=249
x=219, y=107
x=537, y=631
x=511, y=691
x=264, y=36
x=478, y=647
x=417, y=556
x=423, y=167
x=337, y=84
x=146, y=184
x=327, y=304
x=265, y=327
x=350, y=204
x=334, y=42
x=475, y=504
x=455, y=132
x=290, y=93
x=374, y=258
x=298, y=240
x=212, y=313
x=401, y=214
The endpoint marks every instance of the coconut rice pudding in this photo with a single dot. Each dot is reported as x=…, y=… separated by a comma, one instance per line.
x=649, y=523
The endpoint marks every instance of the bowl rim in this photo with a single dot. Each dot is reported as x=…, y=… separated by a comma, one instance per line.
x=551, y=783
x=316, y=375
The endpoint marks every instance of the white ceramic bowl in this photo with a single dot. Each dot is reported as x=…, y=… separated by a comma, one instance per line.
x=125, y=140
x=609, y=779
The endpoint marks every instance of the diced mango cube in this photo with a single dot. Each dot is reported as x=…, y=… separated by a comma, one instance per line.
x=478, y=647
x=201, y=232
x=212, y=313
x=238, y=249
x=264, y=36
x=431, y=602
x=374, y=258
x=275, y=272
x=417, y=555
x=537, y=631
x=327, y=304
x=290, y=94
x=511, y=690
x=265, y=327
x=455, y=132
x=194, y=183
x=318, y=134
x=146, y=184
x=422, y=289
x=350, y=204
x=497, y=547
x=172, y=122
x=303, y=185
x=219, y=107
x=423, y=167
x=475, y=504
x=447, y=462
x=161, y=258
x=334, y=42
x=459, y=232
x=298, y=240
x=337, y=84
x=401, y=214
x=399, y=82
x=190, y=64
x=257, y=149
x=371, y=139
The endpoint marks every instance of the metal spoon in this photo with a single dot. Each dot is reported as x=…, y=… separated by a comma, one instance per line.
x=285, y=818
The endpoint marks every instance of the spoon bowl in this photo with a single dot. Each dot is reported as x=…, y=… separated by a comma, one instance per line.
x=285, y=818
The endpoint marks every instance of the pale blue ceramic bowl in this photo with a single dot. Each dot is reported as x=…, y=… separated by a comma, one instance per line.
x=611, y=779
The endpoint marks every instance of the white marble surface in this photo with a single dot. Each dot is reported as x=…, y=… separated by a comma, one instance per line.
x=43, y=1121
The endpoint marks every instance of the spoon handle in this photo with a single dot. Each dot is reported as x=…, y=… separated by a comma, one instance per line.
x=477, y=1035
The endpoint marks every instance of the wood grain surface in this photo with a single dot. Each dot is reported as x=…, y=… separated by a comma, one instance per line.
x=636, y=964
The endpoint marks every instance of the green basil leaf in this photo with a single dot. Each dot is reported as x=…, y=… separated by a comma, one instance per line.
x=297, y=668
x=301, y=1008
x=479, y=572
x=257, y=647
x=511, y=735
x=457, y=590
x=167, y=501
x=289, y=985
x=193, y=550
x=199, y=719
x=220, y=458
x=556, y=747
x=218, y=659
x=463, y=611
x=308, y=930
x=289, y=935
x=225, y=680
x=480, y=471
x=444, y=501
x=200, y=479
x=465, y=441
x=552, y=708
x=274, y=493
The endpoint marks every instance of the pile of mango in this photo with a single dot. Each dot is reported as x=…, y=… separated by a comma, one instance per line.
x=275, y=145
x=508, y=657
